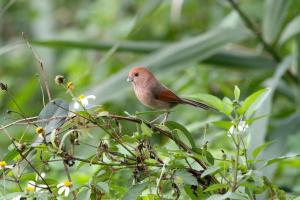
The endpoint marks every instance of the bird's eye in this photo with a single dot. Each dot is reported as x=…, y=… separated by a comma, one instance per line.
x=136, y=74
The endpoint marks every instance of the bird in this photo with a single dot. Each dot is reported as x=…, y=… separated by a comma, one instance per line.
x=153, y=94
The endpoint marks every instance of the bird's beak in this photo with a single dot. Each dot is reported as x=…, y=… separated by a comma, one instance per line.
x=129, y=80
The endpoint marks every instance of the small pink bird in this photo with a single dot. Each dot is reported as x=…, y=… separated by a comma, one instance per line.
x=153, y=94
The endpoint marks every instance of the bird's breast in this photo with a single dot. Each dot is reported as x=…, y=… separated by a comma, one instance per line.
x=147, y=97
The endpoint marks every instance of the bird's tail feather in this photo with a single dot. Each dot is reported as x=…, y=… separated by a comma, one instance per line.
x=197, y=104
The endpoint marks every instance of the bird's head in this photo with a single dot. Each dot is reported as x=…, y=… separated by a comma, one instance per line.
x=139, y=75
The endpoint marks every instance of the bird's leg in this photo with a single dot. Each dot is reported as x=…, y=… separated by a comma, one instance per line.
x=157, y=118
x=166, y=115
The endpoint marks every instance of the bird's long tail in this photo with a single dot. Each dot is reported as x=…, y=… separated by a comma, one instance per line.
x=197, y=104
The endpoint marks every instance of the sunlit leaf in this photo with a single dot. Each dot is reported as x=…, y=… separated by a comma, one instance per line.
x=237, y=93
x=245, y=105
x=223, y=124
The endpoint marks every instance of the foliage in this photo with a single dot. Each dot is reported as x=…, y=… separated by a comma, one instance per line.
x=240, y=57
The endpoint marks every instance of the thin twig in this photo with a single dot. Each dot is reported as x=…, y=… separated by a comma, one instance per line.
x=42, y=72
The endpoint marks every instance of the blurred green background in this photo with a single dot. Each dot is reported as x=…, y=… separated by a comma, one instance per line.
x=192, y=46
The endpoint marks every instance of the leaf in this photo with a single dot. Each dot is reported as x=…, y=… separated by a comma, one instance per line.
x=237, y=93
x=258, y=102
x=54, y=115
x=292, y=29
x=210, y=170
x=146, y=130
x=11, y=155
x=206, y=154
x=135, y=191
x=10, y=47
x=258, y=149
x=58, y=109
x=278, y=159
x=215, y=187
x=176, y=54
x=275, y=12
x=227, y=106
x=103, y=186
x=223, y=124
x=225, y=58
x=249, y=101
x=186, y=177
x=175, y=125
x=147, y=10
x=210, y=100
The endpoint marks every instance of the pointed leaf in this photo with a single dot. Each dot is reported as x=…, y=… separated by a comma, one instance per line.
x=135, y=191
x=260, y=148
x=175, y=125
x=186, y=177
x=292, y=29
x=275, y=12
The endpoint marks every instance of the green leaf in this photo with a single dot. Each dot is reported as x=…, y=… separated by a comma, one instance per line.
x=225, y=58
x=210, y=100
x=103, y=186
x=57, y=108
x=258, y=102
x=292, y=29
x=146, y=130
x=143, y=14
x=278, y=159
x=174, y=55
x=54, y=115
x=237, y=93
x=215, y=187
x=175, y=125
x=210, y=170
x=275, y=12
x=186, y=177
x=135, y=191
x=250, y=100
x=11, y=155
x=223, y=124
x=206, y=154
x=258, y=149
x=227, y=106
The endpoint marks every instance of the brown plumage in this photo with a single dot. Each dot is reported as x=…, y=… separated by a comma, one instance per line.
x=153, y=94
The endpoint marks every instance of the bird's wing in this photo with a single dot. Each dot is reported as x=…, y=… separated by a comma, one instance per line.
x=168, y=96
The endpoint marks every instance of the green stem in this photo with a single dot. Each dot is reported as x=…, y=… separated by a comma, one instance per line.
x=236, y=164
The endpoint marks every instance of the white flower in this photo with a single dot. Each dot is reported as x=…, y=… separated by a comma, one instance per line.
x=83, y=101
x=32, y=186
x=241, y=127
x=3, y=165
x=64, y=187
